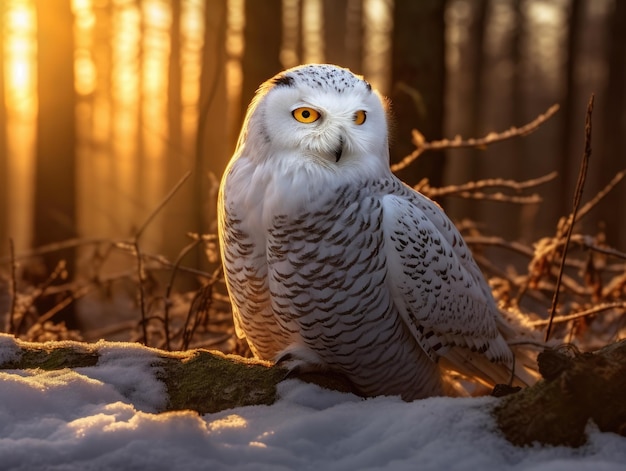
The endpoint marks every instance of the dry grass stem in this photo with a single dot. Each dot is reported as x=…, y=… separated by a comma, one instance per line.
x=580, y=185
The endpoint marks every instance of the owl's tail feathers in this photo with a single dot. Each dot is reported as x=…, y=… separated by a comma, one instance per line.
x=472, y=373
x=464, y=367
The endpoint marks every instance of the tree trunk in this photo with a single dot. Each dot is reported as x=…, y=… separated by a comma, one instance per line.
x=418, y=83
x=570, y=122
x=212, y=143
x=262, y=40
x=466, y=87
x=3, y=144
x=354, y=36
x=55, y=169
x=335, y=28
x=181, y=212
x=612, y=142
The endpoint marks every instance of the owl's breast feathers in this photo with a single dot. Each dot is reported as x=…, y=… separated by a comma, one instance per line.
x=373, y=279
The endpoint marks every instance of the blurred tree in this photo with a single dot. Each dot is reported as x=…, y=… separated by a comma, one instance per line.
x=3, y=142
x=262, y=40
x=140, y=157
x=343, y=33
x=613, y=134
x=476, y=49
x=570, y=122
x=468, y=116
x=335, y=29
x=418, y=82
x=212, y=143
x=354, y=36
x=55, y=167
x=181, y=213
x=174, y=83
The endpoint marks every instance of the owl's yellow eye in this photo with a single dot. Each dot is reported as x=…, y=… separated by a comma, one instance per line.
x=360, y=117
x=305, y=115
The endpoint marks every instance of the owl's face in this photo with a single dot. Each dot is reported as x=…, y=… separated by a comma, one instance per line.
x=323, y=115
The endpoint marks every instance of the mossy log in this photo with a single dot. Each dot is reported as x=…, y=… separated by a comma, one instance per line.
x=575, y=388
x=201, y=380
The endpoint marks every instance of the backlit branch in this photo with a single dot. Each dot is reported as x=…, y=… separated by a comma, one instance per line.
x=470, y=189
x=458, y=142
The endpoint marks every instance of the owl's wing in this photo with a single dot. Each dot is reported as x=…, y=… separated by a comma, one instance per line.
x=245, y=274
x=436, y=285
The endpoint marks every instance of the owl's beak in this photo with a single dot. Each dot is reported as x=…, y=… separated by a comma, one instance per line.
x=339, y=150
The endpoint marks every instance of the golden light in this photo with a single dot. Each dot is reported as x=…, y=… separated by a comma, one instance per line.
x=84, y=66
x=232, y=421
x=20, y=16
x=21, y=104
x=20, y=57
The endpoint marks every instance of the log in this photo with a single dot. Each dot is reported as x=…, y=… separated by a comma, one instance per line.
x=200, y=380
x=576, y=388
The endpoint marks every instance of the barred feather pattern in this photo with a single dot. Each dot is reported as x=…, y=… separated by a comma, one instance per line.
x=332, y=263
x=375, y=295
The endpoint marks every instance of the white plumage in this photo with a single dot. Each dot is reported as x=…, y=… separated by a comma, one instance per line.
x=332, y=263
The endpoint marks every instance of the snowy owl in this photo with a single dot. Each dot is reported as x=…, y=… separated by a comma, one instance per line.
x=332, y=263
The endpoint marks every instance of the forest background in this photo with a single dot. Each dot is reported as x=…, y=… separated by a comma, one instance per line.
x=107, y=105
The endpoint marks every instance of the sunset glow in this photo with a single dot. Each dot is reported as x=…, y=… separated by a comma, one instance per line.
x=20, y=56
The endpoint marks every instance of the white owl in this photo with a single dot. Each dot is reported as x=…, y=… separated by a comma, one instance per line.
x=332, y=263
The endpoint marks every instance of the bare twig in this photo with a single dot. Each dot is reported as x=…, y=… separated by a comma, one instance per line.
x=422, y=146
x=142, y=295
x=578, y=315
x=452, y=190
x=55, y=247
x=497, y=197
x=168, y=289
x=499, y=242
x=586, y=242
x=140, y=261
x=580, y=185
x=199, y=305
x=601, y=194
x=162, y=204
x=13, y=287
x=74, y=295
x=41, y=290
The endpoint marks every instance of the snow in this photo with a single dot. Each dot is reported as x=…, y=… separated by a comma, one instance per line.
x=83, y=419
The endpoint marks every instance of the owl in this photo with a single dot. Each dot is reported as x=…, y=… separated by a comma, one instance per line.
x=332, y=263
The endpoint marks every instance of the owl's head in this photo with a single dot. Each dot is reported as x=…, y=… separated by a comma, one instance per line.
x=321, y=114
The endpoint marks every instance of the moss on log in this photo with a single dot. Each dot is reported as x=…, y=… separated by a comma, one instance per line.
x=576, y=387
x=207, y=381
x=201, y=380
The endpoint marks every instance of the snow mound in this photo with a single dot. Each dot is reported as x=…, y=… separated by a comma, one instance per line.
x=82, y=419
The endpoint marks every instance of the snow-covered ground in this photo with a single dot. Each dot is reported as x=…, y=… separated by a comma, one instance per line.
x=83, y=419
